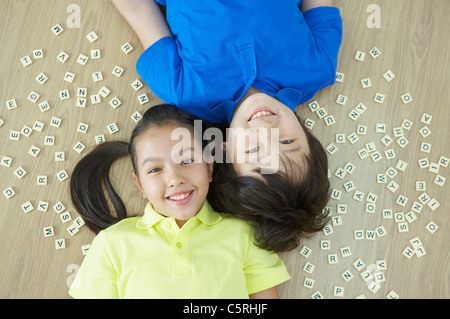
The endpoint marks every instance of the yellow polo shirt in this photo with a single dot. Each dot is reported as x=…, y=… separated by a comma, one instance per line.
x=211, y=256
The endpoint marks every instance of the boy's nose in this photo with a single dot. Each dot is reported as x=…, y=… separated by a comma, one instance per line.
x=265, y=121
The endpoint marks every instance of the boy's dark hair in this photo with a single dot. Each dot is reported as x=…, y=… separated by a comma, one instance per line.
x=280, y=208
x=90, y=176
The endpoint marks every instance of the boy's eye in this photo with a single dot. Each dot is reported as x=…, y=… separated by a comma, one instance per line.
x=154, y=170
x=253, y=150
x=287, y=141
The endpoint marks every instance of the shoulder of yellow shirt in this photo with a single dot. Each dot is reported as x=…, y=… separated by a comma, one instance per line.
x=131, y=222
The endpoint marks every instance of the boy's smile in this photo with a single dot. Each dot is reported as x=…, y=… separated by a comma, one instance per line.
x=261, y=112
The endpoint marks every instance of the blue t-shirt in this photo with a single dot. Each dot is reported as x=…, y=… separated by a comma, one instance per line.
x=221, y=48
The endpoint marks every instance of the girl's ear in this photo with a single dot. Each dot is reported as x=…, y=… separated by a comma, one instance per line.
x=224, y=147
x=138, y=183
x=224, y=151
x=227, y=156
x=209, y=159
x=210, y=172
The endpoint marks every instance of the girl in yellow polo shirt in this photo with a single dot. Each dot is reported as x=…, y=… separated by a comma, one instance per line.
x=180, y=247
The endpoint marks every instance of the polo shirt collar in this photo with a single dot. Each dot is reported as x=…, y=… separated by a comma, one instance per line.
x=150, y=218
x=224, y=110
x=206, y=215
x=289, y=97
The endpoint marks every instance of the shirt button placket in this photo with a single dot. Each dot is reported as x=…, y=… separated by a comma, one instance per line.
x=181, y=262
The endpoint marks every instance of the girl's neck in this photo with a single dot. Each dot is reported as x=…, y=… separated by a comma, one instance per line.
x=180, y=223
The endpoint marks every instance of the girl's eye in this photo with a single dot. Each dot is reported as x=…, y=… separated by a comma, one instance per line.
x=287, y=141
x=154, y=170
x=253, y=150
x=187, y=161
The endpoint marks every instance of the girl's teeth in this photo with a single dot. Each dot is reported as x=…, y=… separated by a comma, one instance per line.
x=179, y=197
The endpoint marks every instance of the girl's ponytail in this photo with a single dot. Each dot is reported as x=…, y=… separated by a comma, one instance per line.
x=89, y=179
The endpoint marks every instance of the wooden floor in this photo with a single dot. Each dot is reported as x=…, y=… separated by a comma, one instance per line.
x=413, y=41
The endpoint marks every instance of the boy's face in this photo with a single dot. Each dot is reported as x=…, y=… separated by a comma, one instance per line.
x=263, y=133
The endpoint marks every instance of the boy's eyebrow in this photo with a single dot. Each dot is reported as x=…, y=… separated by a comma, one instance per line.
x=293, y=150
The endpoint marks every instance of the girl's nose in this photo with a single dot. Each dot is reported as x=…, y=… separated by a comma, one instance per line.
x=175, y=179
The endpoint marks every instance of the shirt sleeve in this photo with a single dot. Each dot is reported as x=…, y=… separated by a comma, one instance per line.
x=96, y=278
x=325, y=24
x=160, y=67
x=263, y=269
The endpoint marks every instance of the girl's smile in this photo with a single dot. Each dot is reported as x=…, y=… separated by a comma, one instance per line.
x=181, y=198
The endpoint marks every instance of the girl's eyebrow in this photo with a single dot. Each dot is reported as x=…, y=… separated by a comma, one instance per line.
x=185, y=150
x=157, y=159
x=151, y=159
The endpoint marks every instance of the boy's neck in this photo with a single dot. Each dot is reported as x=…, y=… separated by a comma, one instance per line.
x=252, y=90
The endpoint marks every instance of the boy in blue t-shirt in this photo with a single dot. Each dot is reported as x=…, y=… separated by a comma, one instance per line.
x=249, y=64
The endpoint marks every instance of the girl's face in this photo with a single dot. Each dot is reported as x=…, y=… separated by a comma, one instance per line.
x=172, y=174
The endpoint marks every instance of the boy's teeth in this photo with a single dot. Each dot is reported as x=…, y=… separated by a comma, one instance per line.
x=179, y=197
x=261, y=113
